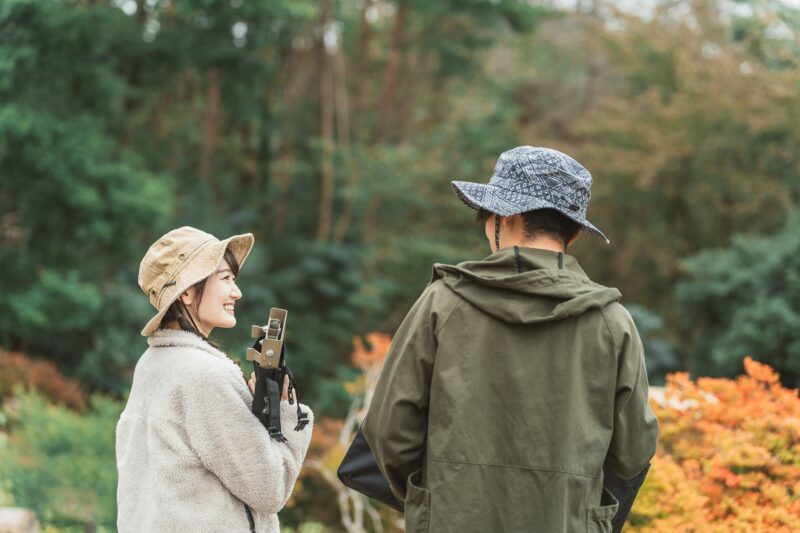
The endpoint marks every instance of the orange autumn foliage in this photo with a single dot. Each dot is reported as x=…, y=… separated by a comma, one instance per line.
x=368, y=357
x=728, y=457
x=16, y=370
x=326, y=440
x=332, y=437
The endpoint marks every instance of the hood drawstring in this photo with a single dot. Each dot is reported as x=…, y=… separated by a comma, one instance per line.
x=516, y=260
x=560, y=261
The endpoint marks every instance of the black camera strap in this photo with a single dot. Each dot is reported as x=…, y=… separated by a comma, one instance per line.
x=302, y=416
x=250, y=519
x=272, y=408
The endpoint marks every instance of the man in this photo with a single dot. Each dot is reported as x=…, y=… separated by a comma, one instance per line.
x=514, y=379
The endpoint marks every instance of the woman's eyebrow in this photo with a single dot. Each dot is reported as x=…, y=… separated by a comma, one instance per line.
x=221, y=270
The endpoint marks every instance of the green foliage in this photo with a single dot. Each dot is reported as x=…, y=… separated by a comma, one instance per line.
x=745, y=300
x=75, y=201
x=660, y=354
x=125, y=126
x=689, y=135
x=61, y=464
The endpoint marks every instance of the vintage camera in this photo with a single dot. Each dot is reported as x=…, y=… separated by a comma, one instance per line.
x=269, y=363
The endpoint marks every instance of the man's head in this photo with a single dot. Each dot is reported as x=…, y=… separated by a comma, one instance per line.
x=543, y=192
x=541, y=225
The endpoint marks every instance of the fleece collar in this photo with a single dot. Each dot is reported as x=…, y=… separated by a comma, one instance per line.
x=182, y=339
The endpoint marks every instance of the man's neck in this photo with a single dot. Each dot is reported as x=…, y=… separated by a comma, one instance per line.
x=540, y=243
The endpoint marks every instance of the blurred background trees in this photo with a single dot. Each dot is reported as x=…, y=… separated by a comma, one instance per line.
x=331, y=130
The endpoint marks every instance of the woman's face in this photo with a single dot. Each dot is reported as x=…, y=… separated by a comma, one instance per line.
x=216, y=307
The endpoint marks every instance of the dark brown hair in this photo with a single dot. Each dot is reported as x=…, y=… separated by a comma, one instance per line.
x=175, y=313
x=541, y=222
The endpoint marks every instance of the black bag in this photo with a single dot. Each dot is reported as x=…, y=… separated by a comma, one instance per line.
x=625, y=490
x=359, y=471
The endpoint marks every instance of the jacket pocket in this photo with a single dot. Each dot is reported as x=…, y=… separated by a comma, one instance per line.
x=598, y=519
x=417, y=505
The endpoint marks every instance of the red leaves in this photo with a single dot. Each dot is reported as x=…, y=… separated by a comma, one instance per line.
x=16, y=370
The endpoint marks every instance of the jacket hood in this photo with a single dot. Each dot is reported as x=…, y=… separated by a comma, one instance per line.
x=526, y=285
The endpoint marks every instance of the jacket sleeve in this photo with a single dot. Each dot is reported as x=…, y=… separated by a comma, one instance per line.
x=397, y=420
x=633, y=442
x=232, y=444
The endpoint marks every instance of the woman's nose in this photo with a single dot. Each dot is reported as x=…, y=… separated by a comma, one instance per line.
x=235, y=292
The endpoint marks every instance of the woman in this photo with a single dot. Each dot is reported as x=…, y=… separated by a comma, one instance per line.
x=190, y=454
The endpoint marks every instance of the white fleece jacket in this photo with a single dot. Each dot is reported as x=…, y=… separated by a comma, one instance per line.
x=190, y=453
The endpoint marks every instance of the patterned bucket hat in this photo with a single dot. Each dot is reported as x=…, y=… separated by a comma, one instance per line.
x=526, y=178
x=180, y=259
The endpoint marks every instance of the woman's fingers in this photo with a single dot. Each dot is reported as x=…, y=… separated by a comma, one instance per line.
x=285, y=391
x=251, y=384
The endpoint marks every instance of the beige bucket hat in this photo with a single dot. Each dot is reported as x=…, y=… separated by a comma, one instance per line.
x=180, y=259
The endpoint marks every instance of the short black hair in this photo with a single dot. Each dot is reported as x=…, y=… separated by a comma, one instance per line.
x=482, y=216
x=539, y=222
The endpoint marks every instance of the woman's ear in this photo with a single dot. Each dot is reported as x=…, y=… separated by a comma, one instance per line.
x=188, y=296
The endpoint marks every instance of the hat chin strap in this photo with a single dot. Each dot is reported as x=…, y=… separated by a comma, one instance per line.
x=188, y=314
x=497, y=233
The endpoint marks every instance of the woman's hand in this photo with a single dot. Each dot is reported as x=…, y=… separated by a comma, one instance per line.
x=251, y=384
x=285, y=391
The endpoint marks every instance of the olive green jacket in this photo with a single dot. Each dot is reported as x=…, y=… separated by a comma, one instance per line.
x=508, y=385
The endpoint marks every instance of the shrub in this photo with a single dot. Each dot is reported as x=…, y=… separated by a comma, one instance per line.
x=16, y=370
x=59, y=463
x=728, y=458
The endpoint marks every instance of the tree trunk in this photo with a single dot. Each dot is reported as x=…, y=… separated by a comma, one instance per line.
x=592, y=69
x=279, y=206
x=210, y=123
x=340, y=97
x=343, y=137
x=325, y=209
x=391, y=74
x=264, y=155
x=362, y=57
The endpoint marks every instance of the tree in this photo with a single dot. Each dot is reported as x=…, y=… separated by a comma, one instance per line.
x=745, y=300
x=75, y=203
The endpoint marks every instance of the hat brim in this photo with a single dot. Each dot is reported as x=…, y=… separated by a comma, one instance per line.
x=203, y=265
x=494, y=199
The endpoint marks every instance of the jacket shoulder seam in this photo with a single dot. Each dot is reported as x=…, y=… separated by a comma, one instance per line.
x=453, y=306
x=610, y=333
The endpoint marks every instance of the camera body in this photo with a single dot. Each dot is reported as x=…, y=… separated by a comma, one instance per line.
x=269, y=364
